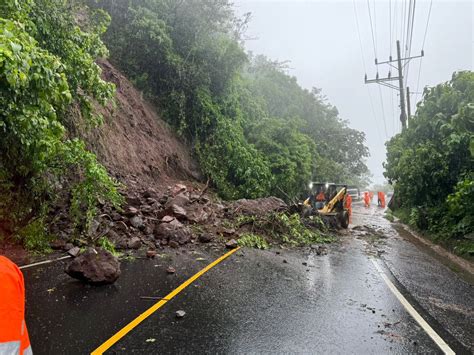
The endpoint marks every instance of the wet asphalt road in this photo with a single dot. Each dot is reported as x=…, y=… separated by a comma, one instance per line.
x=254, y=302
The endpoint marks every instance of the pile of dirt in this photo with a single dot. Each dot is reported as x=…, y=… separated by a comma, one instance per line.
x=134, y=143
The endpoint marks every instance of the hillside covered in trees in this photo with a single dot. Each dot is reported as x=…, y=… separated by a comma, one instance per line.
x=431, y=164
x=253, y=130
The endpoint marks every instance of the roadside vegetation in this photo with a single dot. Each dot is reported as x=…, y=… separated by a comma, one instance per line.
x=46, y=69
x=430, y=165
x=254, y=131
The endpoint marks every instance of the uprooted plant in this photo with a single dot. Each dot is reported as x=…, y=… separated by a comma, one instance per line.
x=283, y=228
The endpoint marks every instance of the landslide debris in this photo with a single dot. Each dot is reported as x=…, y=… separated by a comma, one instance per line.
x=94, y=266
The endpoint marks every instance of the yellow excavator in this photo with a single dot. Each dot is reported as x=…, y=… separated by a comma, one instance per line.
x=327, y=201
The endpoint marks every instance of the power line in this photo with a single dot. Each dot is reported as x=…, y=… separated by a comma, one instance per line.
x=383, y=112
x=422, y=47
x=372, y=29
x=410, y=36
x=427, y=23
x=390, y=23
x=365, y=69
x=402, y=28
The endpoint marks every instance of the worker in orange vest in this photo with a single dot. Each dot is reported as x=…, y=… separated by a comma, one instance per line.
x=381, y=199
x=320, y=199
x=366, y=199
x=348, y=206
x=13, y=333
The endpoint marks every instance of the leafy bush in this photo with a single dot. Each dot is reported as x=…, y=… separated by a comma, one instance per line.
x=253, y=241
x=47, y=64
x=35, y=236
x=431, y=162
x=292, y=231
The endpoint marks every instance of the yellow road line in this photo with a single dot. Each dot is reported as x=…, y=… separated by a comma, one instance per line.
x=125, y=330
x=426, y=327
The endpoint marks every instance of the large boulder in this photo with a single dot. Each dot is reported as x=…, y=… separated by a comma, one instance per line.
x=173, y=231
x=95, y=266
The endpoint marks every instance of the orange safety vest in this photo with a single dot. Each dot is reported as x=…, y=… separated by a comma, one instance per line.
x=366, y=199
x=320, y=197
x=13, y=333
x=382, y=199
x=348, y=203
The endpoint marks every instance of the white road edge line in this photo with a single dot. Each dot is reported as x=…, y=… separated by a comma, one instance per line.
x=426, y=327
x=45, y=262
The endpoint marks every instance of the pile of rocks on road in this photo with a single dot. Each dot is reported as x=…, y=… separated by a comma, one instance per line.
x=180, y=215
x=155, y=220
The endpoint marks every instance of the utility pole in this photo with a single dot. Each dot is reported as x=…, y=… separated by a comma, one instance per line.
x=403, y=115
x=399, y=78
x=408, y=104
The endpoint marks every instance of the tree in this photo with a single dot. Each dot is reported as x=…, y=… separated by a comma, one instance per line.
x=432, y=161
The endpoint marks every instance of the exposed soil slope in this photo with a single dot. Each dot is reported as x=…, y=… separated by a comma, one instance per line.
x=135, y=143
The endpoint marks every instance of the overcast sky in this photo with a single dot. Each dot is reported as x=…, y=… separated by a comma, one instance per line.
x=320, y=39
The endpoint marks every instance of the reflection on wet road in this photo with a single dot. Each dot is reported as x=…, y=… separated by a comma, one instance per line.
x=275, y=301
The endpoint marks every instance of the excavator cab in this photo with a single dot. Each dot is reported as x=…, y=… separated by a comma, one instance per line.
x=332, y=207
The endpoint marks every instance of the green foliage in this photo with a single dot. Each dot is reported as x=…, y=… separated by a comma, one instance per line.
x=106, y=244
x=292, y=231
x=253, y=241
x=431, y=163
x=255, y=131
x=55, y=24
x=35, y=237
x=46, y=65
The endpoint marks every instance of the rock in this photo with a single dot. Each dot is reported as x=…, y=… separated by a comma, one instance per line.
x=150, y=192
x=150, y=253
x=163, y=199
x=151, y=201
x=228, y=231
x=68, y=246
x=146, y=209
x=177, y=211
x=133, y=200
x=305, y=263
x=194, y=196
x=74, y=251
x=93, y=228
x=197, y=216
x=148, y=230
x=205, y=238
x=231, y=244
x=57, y=244
x=97, y=267
x=116, y=216
x=177, y=189
x=180, y=314
x=204, y=200
x=174, y=244
x=284, y=261
x=137, y=222
x=170, y=270
x=173, y=231
x=167, y=219
x=131, y=211
x=134, y=243
x=121, y=243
